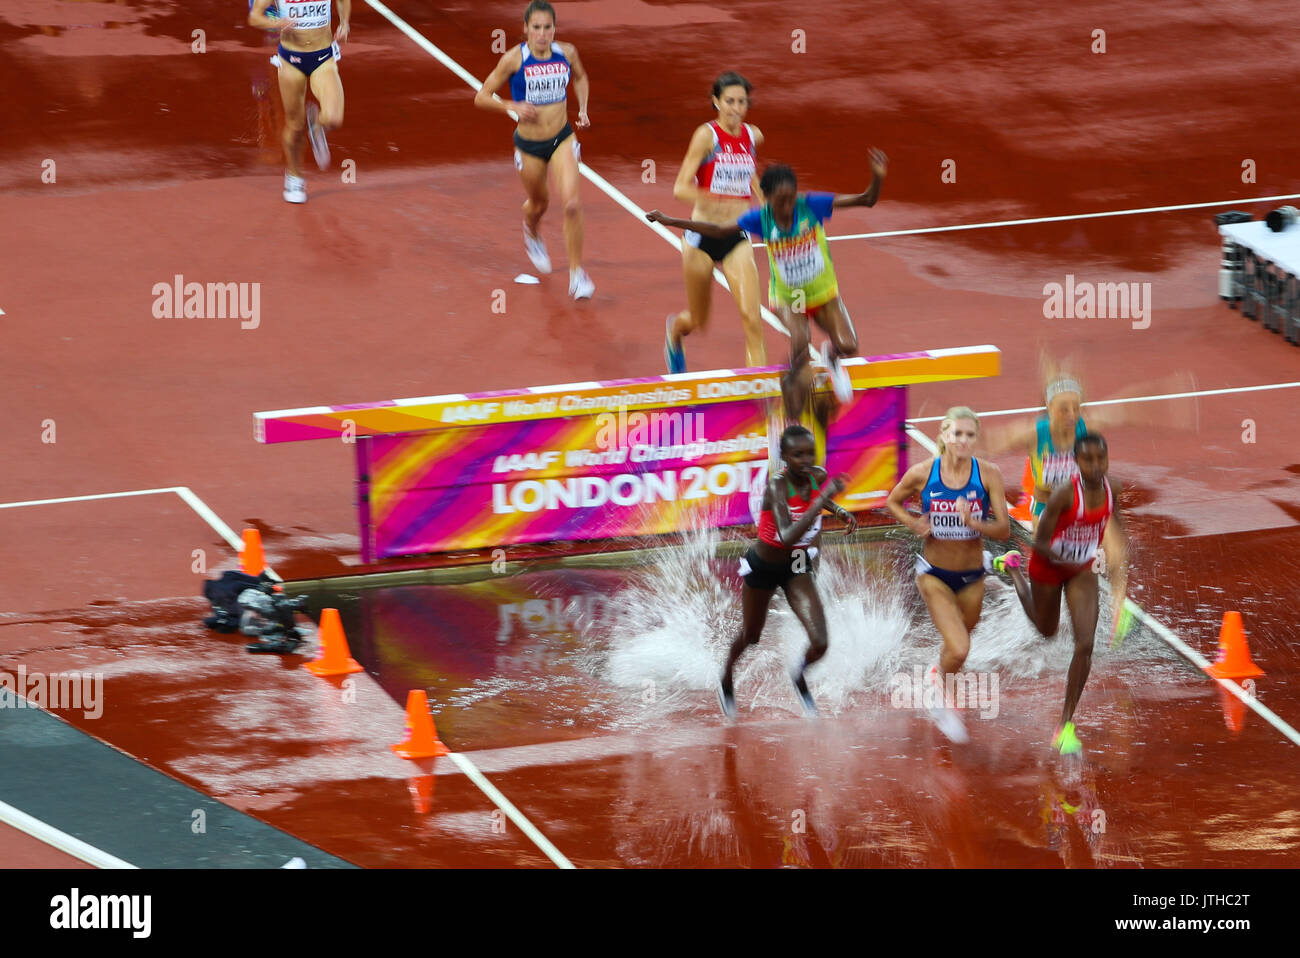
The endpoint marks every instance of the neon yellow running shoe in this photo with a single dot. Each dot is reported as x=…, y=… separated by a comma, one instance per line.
x=1066, y=742
x=1125, y=626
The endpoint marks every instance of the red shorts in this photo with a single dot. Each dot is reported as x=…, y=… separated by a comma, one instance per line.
x=1049, y=573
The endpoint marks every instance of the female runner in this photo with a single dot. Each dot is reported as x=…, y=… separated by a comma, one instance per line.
x=803, y=278
x=539, y=71
x=789, y=534
x=308, y=56
x=718, y=178
x=962, y=501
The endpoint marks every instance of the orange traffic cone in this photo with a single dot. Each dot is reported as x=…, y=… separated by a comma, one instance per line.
x=1023, y=509
x=1234, y=654
x=335, y=658
x=421, y=736
x=251, y=560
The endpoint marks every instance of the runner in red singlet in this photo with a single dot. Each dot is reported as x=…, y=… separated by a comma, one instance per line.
x=1069, y=534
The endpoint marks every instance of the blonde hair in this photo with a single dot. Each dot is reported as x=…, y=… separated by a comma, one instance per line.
x=951, y=416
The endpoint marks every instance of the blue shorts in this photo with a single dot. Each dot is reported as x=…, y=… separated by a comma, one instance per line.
x=953, y=580
x=305, y=62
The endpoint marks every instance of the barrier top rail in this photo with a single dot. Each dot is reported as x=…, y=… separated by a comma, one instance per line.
x=391, y=416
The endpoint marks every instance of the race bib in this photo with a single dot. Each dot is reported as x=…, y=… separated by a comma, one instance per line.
x=731, y=174
x=545, y=82
x=1059, y=468
x=1078, y=545
x=946, y=521
x=306, y=14
x=799, y=262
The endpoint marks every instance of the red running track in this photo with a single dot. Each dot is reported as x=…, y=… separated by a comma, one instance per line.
x=165, y=163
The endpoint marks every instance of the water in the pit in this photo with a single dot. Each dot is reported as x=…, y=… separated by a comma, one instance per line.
x=577, y=650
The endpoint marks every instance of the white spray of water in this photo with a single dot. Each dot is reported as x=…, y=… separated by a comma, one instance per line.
x=666, y=634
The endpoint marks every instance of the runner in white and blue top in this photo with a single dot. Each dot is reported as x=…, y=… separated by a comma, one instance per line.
x=539, y=72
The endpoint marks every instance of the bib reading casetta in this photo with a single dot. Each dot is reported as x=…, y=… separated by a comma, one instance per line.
x=541, y=81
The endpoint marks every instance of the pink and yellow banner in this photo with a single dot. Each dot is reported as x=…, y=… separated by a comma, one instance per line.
x=599, y=460
x=605, y=475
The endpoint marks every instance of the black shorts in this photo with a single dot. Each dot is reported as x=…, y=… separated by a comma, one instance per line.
x=716, y=248
x=544, y=149
x=768, y=576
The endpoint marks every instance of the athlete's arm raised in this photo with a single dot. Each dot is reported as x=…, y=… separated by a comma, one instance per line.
x=879, y=167
x=484, y=99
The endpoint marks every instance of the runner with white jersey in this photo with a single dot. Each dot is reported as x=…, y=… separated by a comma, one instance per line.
x=539, y=71
x=308, y=56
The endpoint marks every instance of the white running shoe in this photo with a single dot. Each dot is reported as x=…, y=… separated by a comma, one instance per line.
x=295, y=189
x=536, y=250
x=580, y=285
x=840, y=381
x=945, y=719
x=316, y=133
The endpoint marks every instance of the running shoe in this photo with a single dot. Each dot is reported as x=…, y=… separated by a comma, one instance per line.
x=840, y=381
x=1125, y=627
x=946, y=720
x=805, y=697
x=727, y=700
x=580, y=284
x=1008, y=560
x=674, y=356
x=295, y=189
x=316, y=133
x=1066, y=741
x=536, y=250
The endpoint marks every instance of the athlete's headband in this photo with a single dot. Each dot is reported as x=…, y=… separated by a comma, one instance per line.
x=1062, y=386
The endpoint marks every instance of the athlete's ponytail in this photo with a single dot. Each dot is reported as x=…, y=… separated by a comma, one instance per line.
x=951, y=416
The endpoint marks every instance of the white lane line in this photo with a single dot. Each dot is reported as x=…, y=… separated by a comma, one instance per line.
x=595, y=178
x=1133, y=399
x=516, y=816
x=1061, y=219
x=16, y=818
x=187, y=496
x=1177, y=644
x=102, y=495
